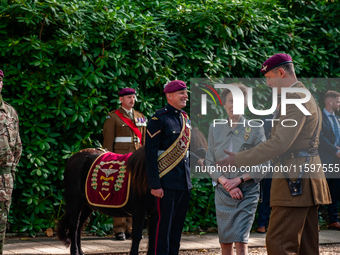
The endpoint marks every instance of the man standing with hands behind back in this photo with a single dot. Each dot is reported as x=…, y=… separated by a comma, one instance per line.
x=10, y=152
x=329, y=149
x=293, y=224
x=124, y=132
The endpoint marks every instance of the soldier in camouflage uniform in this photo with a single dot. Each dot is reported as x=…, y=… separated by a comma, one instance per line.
x=10, y=152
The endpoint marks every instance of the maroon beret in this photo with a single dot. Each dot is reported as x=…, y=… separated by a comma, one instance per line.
x=2, y=73
x=275, y=61
x=173, y=86
x=126, y=92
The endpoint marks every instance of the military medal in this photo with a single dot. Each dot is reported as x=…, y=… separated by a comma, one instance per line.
x=246, y=136
x=248, y=129
x=140, y=122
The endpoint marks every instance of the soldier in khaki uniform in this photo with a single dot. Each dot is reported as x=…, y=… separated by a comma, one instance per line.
x=124, y=132
x=293, y=225
x=10, y=152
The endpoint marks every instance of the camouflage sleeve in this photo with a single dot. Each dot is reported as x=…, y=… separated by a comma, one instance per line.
x=18, y=147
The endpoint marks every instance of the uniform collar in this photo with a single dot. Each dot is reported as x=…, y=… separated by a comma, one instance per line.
x=172, y=109
x=2, y=104
x=293, y=85
x=127, y=111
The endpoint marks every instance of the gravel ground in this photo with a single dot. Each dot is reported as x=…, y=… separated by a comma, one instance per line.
x=328, y=249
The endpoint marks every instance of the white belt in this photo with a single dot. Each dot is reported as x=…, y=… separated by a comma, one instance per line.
x=160, y=152
x=122, y=139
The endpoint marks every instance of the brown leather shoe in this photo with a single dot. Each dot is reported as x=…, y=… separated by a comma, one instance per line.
x=334, y=226
x=261, y=230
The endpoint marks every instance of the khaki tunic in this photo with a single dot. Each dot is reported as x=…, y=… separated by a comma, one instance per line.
x=116, y=127
x=314, y=186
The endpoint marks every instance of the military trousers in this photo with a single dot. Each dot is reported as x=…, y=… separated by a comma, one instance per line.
x=171, y=212
x=293, y=231
x=6, y=189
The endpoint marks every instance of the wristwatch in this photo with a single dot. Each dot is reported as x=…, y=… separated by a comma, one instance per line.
x=241, y=178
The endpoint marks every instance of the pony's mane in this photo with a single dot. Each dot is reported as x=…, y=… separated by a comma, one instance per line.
x=136, y=165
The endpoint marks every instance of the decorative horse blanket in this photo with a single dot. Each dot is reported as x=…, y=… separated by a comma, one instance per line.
x=108, y=183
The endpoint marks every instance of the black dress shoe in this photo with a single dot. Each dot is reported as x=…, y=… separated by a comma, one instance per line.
x=128, y=236
x=120, y=236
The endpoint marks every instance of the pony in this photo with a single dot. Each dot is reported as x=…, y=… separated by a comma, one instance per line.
x=77, y=209
x=140, y=204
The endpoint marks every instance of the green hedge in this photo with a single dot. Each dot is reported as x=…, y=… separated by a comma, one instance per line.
x=64, y=62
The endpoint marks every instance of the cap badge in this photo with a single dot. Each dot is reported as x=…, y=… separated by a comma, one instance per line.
x=264, y=68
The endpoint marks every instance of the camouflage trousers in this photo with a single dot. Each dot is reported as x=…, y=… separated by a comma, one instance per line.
x=6, y=188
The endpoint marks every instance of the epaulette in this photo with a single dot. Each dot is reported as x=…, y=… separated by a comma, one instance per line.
x=111, y=112
x=161, y=111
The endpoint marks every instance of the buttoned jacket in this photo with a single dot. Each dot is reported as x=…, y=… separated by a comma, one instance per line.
x=314, y=186
x=114, y=127
x=242, y=137
x=162, y=131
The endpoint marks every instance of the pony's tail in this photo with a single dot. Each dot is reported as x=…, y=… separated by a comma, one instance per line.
x=63, y=230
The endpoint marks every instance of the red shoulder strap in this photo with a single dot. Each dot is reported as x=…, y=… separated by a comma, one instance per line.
x=132, y=125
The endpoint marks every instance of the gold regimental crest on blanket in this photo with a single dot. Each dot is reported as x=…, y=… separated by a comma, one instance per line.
x=108, y=182
x=177, y=151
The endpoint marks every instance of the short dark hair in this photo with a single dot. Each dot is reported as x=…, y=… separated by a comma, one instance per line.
x=289, y=68
x=242, y=87
x=331, y=94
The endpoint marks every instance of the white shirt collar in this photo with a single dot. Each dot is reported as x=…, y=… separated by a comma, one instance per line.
x=127, y=111
x=328, y=113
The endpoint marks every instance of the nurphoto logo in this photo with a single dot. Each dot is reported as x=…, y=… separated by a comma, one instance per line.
x=238, y=100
